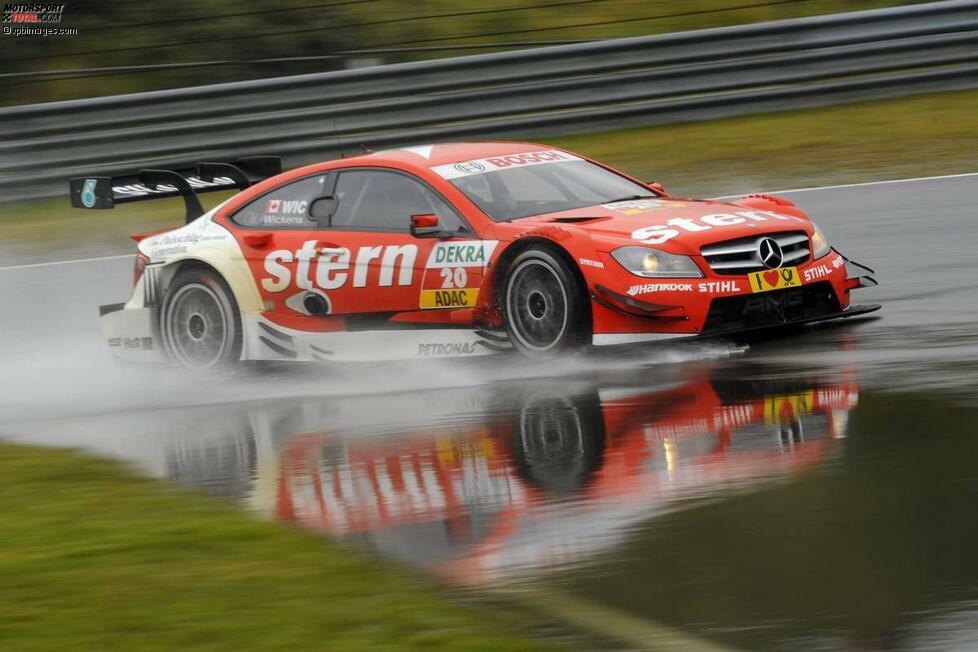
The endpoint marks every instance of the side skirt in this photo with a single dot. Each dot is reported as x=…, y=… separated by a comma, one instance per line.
x=614, y=339
x=265, y=340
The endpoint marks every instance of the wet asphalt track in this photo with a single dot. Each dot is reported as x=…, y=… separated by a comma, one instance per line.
x=813, y=492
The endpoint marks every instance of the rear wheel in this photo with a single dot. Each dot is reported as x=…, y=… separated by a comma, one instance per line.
x=545, y=304
x=199, y=320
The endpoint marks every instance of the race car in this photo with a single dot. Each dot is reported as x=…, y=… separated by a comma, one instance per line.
x=455, y=250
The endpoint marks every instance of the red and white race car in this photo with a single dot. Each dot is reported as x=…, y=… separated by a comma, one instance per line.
x=454, y=250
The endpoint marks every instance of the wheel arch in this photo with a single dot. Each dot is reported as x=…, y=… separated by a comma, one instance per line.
x=518, y=246
x=234, y=273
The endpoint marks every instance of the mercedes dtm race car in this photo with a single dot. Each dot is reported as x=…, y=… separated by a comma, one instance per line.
x=454, y=250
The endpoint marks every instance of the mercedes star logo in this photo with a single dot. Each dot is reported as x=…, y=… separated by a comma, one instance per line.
x=769, y=251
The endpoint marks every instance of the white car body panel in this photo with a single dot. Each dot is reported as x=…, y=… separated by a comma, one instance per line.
x=131, y=334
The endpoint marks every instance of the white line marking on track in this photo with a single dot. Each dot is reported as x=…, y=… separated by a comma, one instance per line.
x=857, y=185
x=68, y=262
x=766, y=192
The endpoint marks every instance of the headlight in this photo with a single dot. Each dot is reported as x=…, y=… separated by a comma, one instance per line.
x=652, y=263
x=820, y=244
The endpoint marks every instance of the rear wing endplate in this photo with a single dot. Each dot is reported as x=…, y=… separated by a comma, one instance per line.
x=106, y=192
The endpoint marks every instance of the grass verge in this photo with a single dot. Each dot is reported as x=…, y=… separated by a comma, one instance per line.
x=94, y=557
x=914, y=136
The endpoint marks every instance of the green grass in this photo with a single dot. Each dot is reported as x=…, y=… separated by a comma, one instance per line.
x=93, y=557
x=914, y=136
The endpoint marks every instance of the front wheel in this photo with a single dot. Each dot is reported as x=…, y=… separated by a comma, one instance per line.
x=199, y=320
x=545, y=305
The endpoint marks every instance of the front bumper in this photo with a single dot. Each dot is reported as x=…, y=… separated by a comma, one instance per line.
x=626, y=311
x=850, y=311
x=775, y=308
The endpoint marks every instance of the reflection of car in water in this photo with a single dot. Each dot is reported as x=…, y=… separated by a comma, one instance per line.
x=493, y=481
x=546, y=477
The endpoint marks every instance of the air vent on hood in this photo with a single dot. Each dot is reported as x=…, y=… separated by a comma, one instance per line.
x=583, y=218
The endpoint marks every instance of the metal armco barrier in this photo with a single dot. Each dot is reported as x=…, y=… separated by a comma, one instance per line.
x=661, y=79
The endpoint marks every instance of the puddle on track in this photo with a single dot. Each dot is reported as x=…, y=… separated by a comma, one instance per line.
x=759, y=506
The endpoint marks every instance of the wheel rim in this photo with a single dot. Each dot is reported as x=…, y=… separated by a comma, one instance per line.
x=537, y=305
x=196, y=326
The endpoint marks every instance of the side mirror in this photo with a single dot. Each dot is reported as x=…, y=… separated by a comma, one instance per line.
x=656, y=186
x=426, y=226
x=322, y=208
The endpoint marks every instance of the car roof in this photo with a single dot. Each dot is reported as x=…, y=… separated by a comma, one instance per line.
x=442, y=153
x=424, y=156
x=428, y=155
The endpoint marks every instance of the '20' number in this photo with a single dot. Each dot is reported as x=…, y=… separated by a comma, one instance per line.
x=453, y=278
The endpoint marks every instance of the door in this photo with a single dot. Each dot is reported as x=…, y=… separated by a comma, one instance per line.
x=361, y=259
x=378, y=265
x=279, y=241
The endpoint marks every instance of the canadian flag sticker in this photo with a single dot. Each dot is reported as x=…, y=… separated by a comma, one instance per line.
x=274, y=206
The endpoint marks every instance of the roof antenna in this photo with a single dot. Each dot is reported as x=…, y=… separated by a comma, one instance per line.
x=336, y=134
x=366, y=150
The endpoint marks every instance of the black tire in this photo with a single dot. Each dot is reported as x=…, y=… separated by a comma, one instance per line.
x=199, y=320
x=545, y=307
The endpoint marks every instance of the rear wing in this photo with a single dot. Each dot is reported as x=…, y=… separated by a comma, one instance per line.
x=106, y=192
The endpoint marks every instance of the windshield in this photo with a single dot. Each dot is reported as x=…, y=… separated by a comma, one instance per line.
x=522, y=185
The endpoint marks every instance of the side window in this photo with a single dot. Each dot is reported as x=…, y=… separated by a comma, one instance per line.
x=374, y=199
x=285, y=207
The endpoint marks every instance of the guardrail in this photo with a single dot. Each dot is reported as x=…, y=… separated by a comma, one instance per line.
x=677, y=77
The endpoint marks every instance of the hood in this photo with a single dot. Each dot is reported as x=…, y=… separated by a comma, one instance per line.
x=675, y=225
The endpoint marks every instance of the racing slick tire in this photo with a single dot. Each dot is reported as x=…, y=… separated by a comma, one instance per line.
x=544, y=305
x=199, y=320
